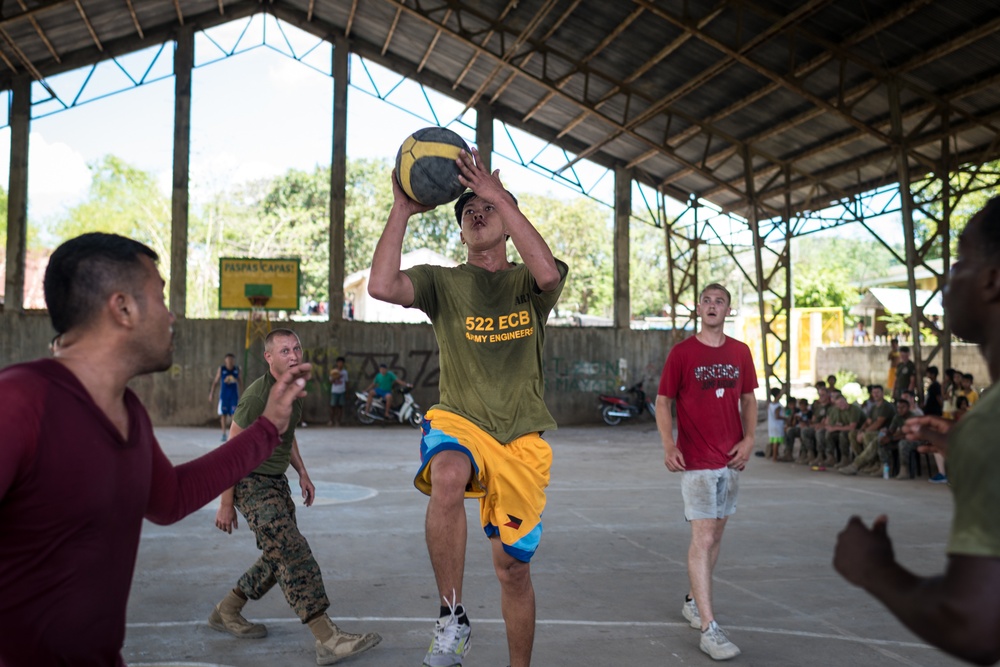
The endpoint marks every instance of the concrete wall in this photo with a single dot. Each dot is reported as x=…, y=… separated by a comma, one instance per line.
x=871, y=364
x=579, y=362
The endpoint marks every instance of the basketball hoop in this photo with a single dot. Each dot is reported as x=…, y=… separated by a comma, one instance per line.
x=257, y=302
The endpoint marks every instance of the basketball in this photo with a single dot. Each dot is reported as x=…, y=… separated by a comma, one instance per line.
x=425, y=166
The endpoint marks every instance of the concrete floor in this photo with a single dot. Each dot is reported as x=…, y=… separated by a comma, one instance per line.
x=609, y=577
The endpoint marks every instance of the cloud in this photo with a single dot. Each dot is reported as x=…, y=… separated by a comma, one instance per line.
x=58, y=176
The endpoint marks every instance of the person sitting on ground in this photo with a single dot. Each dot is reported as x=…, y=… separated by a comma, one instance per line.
x=910, y=399
x=865, y=443
x=906, y=374
x=381, y=386
x=841, y=430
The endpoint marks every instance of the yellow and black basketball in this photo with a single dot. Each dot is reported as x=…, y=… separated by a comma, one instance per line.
x=425, y=166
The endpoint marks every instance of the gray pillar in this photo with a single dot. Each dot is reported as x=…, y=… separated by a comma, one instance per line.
x=623, y=210
x=338, y=178
x=17, y=194
x=183, y=63
x=944, y=337
x=484, y=134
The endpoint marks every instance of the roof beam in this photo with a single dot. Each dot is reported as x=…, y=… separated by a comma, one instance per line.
x=38, y=30
x=511, y=4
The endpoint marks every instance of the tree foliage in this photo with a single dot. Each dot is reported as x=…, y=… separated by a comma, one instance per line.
x=826, y=270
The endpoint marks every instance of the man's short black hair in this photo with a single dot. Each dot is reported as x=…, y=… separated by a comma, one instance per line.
x=776, y=392
x=464, y=198
x=340, y=359
x=968, y=376
x=904, y=348
x=876, y=386
x=932, y=371
x=85, y=270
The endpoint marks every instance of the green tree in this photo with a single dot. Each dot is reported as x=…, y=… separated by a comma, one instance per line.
x=125, y=200
x=579, y=233
x=826, y=271
x=981, y=187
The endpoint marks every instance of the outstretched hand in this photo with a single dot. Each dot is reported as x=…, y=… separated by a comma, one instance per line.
x=933, y=430
x=287, y=388
x=861, y=553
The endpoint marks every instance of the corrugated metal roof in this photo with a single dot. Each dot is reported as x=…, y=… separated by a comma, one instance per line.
x=681, y=91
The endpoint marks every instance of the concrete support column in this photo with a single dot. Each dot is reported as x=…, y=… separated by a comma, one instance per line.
x=623, y=210
x=338, y=178
x=484, y=134
x=17, y=194
x=183, y=64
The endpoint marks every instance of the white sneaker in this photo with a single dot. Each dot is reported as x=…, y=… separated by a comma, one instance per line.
x=690, y=612
x=452, y=640
x=716, y=644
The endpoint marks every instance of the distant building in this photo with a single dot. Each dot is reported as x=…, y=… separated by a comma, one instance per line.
x=367, y=309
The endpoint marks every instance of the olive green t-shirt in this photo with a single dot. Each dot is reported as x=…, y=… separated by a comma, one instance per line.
x=251, y=406
x=849, y=416
x=885, y=409
x=974, y=474
x=490, y=329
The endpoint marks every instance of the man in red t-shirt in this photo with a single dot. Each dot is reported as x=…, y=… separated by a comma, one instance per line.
x=711, y=378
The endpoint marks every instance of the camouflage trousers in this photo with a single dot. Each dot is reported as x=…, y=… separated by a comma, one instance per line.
x=286, y=559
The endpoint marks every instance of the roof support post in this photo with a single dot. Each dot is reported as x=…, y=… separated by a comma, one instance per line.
x=338, y=180
x=484, y=134
x=944, y=230
x=183, y=64
x=788, y=300
x=906, y=211
x=682, y=265
x=623, y=213
x=759, y=280
x=17, y=194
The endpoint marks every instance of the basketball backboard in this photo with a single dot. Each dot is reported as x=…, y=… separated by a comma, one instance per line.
x=242, y=279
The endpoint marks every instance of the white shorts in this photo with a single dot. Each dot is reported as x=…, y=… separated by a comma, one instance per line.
x=710, y=494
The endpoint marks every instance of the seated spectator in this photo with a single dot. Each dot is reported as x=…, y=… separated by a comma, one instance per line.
x=911, y=400
x=841, y=430
x=967, y=391
x=815, y=432
x=895, y=440
x=962, y=405
x=865, y=443
x=793, y=429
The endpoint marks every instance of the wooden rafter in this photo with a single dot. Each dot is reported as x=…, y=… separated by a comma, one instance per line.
x=350, y=18
x=434, y=41
x=222, y=9
x=135, y=19
x=34, y=11
x=180, y=13
x=90, y=28
x=511, y=4
x=505, y=58
x=35, y=74
x=392, y=30
x=41, y=33
x=309, y=10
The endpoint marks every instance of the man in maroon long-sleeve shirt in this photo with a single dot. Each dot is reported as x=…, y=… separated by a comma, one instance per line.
x=79, y=465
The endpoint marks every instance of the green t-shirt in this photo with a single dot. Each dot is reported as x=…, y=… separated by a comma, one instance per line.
x=849, y=416
x=897, y=421
x=251, y=406
x=885, y=409
x=384, y=381
x=974, y=474
x=490, y=329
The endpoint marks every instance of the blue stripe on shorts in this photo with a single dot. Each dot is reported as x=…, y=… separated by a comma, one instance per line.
x=434, y=441
x=524, y=548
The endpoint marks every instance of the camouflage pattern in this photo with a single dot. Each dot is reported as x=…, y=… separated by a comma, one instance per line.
x=266, y=504
x=812, y=439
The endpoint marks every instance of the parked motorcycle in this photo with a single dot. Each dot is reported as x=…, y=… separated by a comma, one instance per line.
x=408, y=412
x=615, y=408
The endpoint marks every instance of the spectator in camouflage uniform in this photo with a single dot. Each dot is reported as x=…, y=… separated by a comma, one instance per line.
x=816, y=430
x=842, y=424
x=880, y=412
x=265, y=501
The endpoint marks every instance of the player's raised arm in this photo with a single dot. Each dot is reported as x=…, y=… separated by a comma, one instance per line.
x=530, y=245
x=387, y=282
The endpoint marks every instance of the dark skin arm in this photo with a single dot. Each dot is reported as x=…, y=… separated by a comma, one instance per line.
x=958, y=611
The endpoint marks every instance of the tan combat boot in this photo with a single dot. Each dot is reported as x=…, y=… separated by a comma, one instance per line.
x=333, y=644
x=226, y=617
x=904, y=472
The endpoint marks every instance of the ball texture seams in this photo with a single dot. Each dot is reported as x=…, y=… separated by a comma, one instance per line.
x=425, y=166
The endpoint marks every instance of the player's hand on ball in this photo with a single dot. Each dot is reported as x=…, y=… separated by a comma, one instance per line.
x=290, y=386
x=475, y=177
x=402, y=202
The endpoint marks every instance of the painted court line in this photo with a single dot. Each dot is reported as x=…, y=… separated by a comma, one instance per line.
x=563, y=623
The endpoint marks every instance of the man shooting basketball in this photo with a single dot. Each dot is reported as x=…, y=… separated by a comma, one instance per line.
x=79, y=465
x=959, y=610
x=483, y=439
x=711, y=378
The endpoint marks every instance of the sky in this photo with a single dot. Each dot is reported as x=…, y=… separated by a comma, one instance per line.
x=255, y=114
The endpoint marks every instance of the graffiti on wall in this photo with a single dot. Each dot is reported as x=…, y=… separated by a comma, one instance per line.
x=419, y=367
x=590, y=376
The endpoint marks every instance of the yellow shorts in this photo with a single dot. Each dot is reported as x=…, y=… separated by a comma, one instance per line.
x=509, y=480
